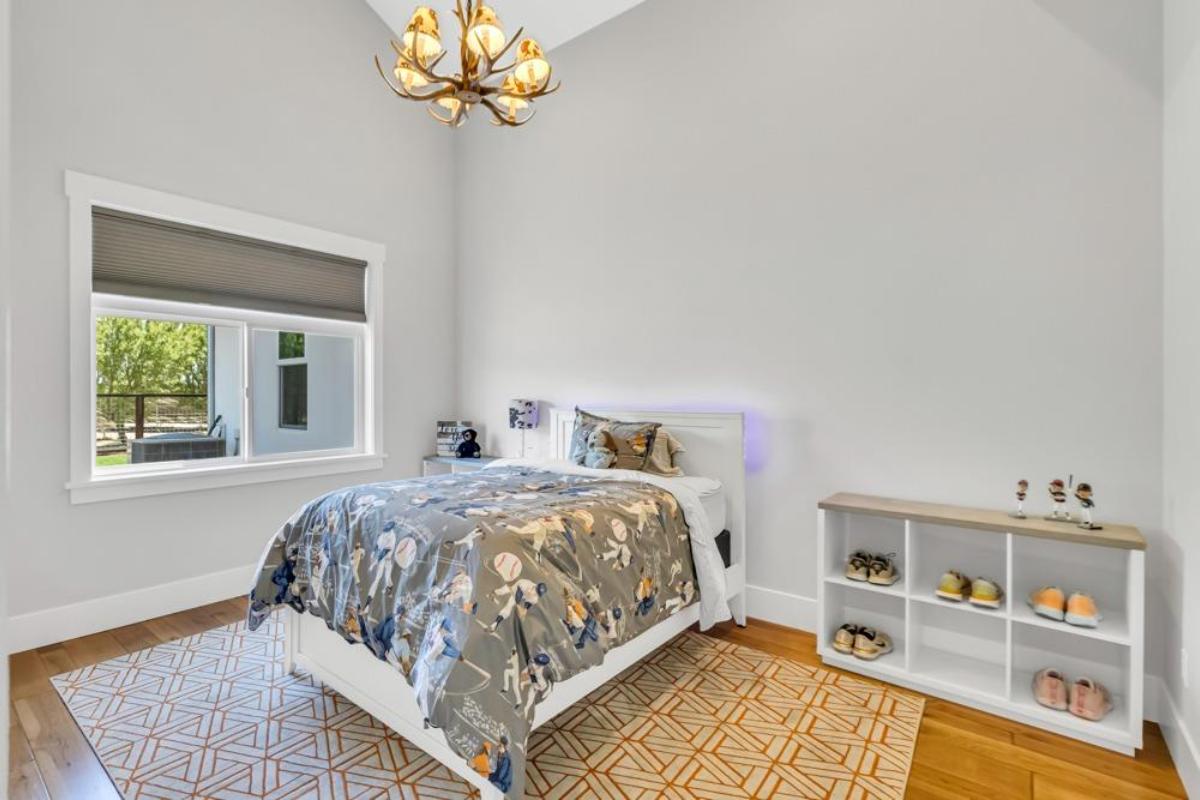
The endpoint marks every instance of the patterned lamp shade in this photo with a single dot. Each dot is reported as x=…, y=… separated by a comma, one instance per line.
x=522, y=414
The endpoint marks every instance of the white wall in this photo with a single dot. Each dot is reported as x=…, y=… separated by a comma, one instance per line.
x=330, y=361
x=273, y=107
x=1181, y=437
x=5, y=207
x=917, y=242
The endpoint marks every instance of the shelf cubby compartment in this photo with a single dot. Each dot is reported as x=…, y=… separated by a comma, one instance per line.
x=959, y=651
x=936, y=549
x=1036, y=648
x=1102, y=572
x=884, y=612
x=850, y=532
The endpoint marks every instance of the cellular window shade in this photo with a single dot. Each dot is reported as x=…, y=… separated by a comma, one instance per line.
x=146, y=257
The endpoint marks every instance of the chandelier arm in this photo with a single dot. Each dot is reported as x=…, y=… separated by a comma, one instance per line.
x=491, y=62
x=544, y=92
x=501, y=119
x=445, y=91
x=433, y=114
x=400, y=91
x=425, y=71
x=464, y=52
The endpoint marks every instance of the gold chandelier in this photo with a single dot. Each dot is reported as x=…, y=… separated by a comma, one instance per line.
x=508, y=92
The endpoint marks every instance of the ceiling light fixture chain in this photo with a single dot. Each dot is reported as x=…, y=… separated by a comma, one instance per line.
x=482, y=45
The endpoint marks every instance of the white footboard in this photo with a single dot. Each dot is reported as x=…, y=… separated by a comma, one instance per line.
x=376, y=687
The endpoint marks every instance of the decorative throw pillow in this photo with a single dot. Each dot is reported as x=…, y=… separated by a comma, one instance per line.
x=662, y=457
x=633, y=441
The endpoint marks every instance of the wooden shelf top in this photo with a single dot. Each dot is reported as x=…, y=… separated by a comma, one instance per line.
x=1125, y=537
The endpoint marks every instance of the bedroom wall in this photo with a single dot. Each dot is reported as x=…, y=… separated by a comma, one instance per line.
x=5, y=230
x=919, y=243
x=1181, y=432
x=273, y=107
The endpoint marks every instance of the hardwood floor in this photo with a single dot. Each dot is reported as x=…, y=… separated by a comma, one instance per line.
x=961, y=754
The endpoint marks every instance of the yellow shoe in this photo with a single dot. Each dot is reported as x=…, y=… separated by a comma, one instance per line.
x=954, y=586
x=1049, y=602
x=1082, y=610
x=986, y=593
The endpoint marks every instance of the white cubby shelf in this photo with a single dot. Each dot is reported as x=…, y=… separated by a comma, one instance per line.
x=980, y=657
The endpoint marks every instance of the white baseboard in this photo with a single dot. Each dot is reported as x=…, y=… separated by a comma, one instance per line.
x=51, y=625
x=782, y=608
x=1179, y=739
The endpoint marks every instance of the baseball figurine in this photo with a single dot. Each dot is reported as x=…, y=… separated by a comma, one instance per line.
x=1058, y=494
x=1022, y=492
x=1083, y=493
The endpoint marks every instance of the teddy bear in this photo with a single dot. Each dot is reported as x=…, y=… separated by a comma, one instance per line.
x=600, y=453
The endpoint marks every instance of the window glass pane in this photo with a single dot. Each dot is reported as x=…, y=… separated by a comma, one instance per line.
x=166, y=391
x=305, y=403
x=293, y=396
x=291, y=345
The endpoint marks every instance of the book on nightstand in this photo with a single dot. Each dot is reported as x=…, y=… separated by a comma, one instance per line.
x=449, y=434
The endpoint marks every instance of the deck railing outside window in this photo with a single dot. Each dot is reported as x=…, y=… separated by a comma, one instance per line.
x=123, y=417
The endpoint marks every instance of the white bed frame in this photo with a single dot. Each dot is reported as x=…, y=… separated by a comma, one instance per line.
x=715, y=449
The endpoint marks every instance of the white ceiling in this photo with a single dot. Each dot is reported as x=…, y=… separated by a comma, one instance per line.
x=551, y=22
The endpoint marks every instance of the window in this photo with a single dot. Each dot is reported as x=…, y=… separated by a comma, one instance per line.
x=203, y=343
x=293, y=396
x=293, y=381
x=166, y=390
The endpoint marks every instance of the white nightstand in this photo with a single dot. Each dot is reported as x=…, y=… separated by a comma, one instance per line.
x=443, y=465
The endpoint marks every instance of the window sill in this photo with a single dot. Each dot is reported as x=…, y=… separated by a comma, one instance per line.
x=122, y=487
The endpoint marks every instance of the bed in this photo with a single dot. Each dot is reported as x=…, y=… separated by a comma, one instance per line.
x=452, y=724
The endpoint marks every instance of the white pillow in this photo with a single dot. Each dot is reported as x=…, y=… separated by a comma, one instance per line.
x=704, y=487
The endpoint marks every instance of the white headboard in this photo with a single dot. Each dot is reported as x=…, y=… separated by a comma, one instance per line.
x=716, y=448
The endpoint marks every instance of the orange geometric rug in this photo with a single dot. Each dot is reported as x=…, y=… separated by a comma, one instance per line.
x=214, y=716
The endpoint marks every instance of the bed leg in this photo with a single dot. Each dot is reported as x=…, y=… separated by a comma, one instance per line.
x=291, y=637
x=737, y=607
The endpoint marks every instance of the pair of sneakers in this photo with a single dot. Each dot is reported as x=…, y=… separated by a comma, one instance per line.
x=1083, y=697
x=862, y=641
x=1079, y=608
x=872, y=568
x=982, y=592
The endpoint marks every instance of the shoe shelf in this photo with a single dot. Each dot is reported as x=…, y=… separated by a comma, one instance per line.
x=986, y=657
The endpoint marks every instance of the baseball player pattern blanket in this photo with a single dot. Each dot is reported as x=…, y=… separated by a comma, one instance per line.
x=485, y=589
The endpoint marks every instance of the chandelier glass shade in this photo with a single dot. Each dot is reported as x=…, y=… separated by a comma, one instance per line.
x=507, y=92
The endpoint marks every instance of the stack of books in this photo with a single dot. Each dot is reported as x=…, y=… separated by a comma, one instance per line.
x=449, y=434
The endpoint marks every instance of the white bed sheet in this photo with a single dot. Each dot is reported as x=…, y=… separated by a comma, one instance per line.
x=714, y=506
x=688, y=490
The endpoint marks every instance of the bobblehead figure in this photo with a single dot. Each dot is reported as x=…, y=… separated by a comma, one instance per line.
x=1083, y=493
x=1022, y=491
x=1058, y=494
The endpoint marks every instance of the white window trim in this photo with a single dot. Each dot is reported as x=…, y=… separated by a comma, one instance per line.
x=86, y=191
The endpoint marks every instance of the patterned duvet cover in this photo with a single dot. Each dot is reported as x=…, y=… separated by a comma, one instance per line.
x=485, y=589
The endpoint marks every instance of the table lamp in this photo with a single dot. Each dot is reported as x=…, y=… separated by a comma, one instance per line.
x=522, y=416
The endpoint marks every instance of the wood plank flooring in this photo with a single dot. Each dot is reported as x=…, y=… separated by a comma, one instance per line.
x=962, y=754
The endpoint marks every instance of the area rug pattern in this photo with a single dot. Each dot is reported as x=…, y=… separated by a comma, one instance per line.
x=214, y=716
